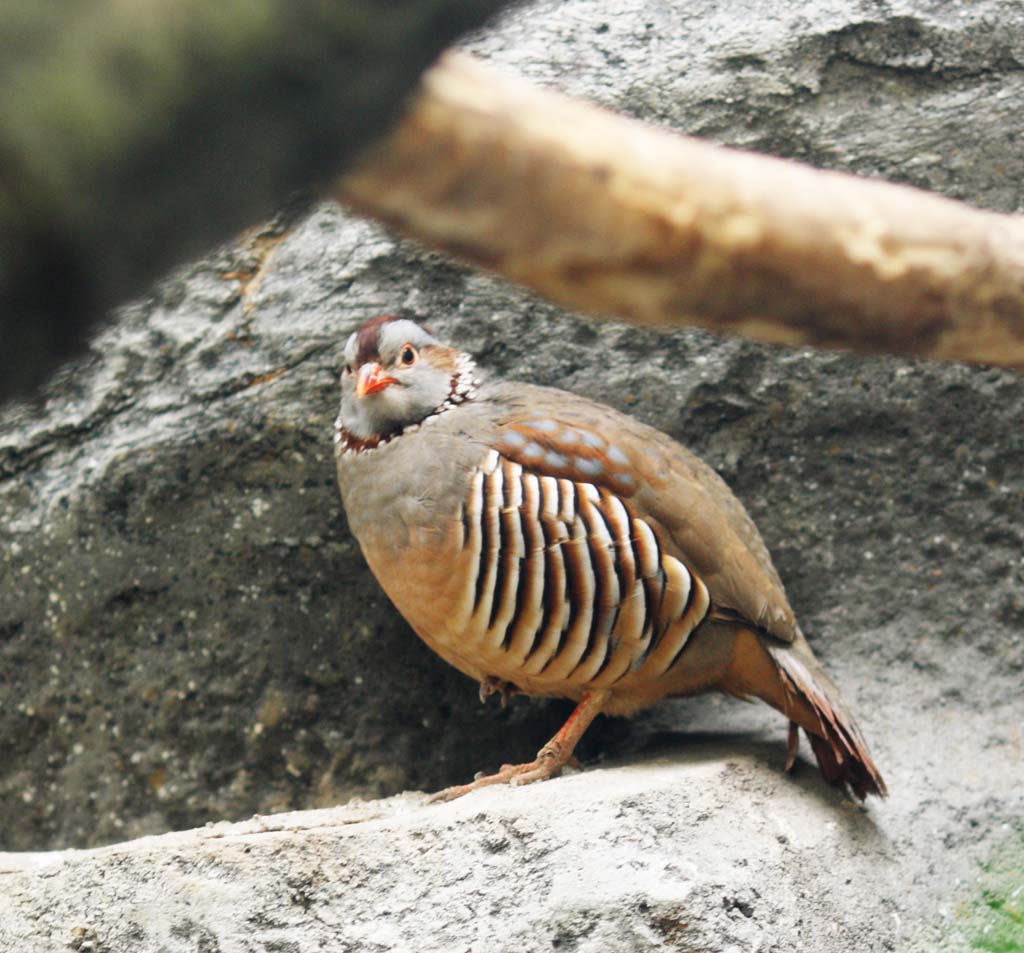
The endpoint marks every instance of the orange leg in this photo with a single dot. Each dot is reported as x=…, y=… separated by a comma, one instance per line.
x=550, y=760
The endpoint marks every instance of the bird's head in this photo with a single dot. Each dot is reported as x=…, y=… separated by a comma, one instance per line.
x=397, y=374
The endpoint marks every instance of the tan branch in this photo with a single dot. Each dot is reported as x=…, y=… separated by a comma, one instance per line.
x=609, y=215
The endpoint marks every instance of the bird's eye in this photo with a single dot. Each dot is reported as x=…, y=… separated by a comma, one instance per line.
x=408, y=355
x=348, y=368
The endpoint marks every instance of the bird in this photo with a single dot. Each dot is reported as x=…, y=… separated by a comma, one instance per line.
x=548, y=545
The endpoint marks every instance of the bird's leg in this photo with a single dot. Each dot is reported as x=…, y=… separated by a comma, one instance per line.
x=792, y=745
x=550, y=760
x=492, y=684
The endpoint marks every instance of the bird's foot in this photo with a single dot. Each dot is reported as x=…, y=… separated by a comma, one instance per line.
x=492, y=685
x=550, y=761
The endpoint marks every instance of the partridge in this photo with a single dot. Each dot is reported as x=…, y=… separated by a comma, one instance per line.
x=546, y=544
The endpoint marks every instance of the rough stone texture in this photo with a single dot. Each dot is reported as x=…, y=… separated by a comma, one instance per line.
x=695, y=848
x=187, y=632
x=654, y=856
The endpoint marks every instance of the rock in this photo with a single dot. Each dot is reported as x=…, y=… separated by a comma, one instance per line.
x=188, y=633
x=707, y=850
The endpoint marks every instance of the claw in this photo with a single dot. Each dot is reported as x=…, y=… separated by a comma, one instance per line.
x=492, y=685
x=540, y=769
x=550, y=760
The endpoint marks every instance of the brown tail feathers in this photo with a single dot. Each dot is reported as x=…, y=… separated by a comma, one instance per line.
x=789, y=678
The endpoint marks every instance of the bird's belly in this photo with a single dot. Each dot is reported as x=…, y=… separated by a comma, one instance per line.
x=552, y=606
x=427, y=580
x=439, y=597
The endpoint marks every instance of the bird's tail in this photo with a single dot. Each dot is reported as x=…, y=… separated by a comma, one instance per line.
x=790, y=678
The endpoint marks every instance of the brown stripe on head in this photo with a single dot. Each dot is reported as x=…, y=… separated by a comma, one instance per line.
x=444, y=358
x=368, y=336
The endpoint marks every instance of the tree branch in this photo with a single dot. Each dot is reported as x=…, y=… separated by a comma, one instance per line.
x=609, y=215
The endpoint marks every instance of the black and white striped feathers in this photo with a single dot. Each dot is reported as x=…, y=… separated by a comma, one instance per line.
x=566, y=584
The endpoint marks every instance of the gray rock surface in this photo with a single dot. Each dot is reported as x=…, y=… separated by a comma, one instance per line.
x=188, y=633
x=696, y=851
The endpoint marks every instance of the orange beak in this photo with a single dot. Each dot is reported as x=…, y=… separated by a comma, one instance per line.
x=371, y=379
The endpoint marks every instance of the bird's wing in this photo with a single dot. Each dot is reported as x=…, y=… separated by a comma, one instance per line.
x=559, y=434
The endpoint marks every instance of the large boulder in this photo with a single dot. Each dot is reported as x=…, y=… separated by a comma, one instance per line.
x=698, y=850
x=188, y=632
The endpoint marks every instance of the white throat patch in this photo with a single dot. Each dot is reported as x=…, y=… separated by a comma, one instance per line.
x=464, y=387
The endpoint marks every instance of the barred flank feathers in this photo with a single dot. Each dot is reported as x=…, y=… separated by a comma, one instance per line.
x=836, y=740
x=565, y=583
